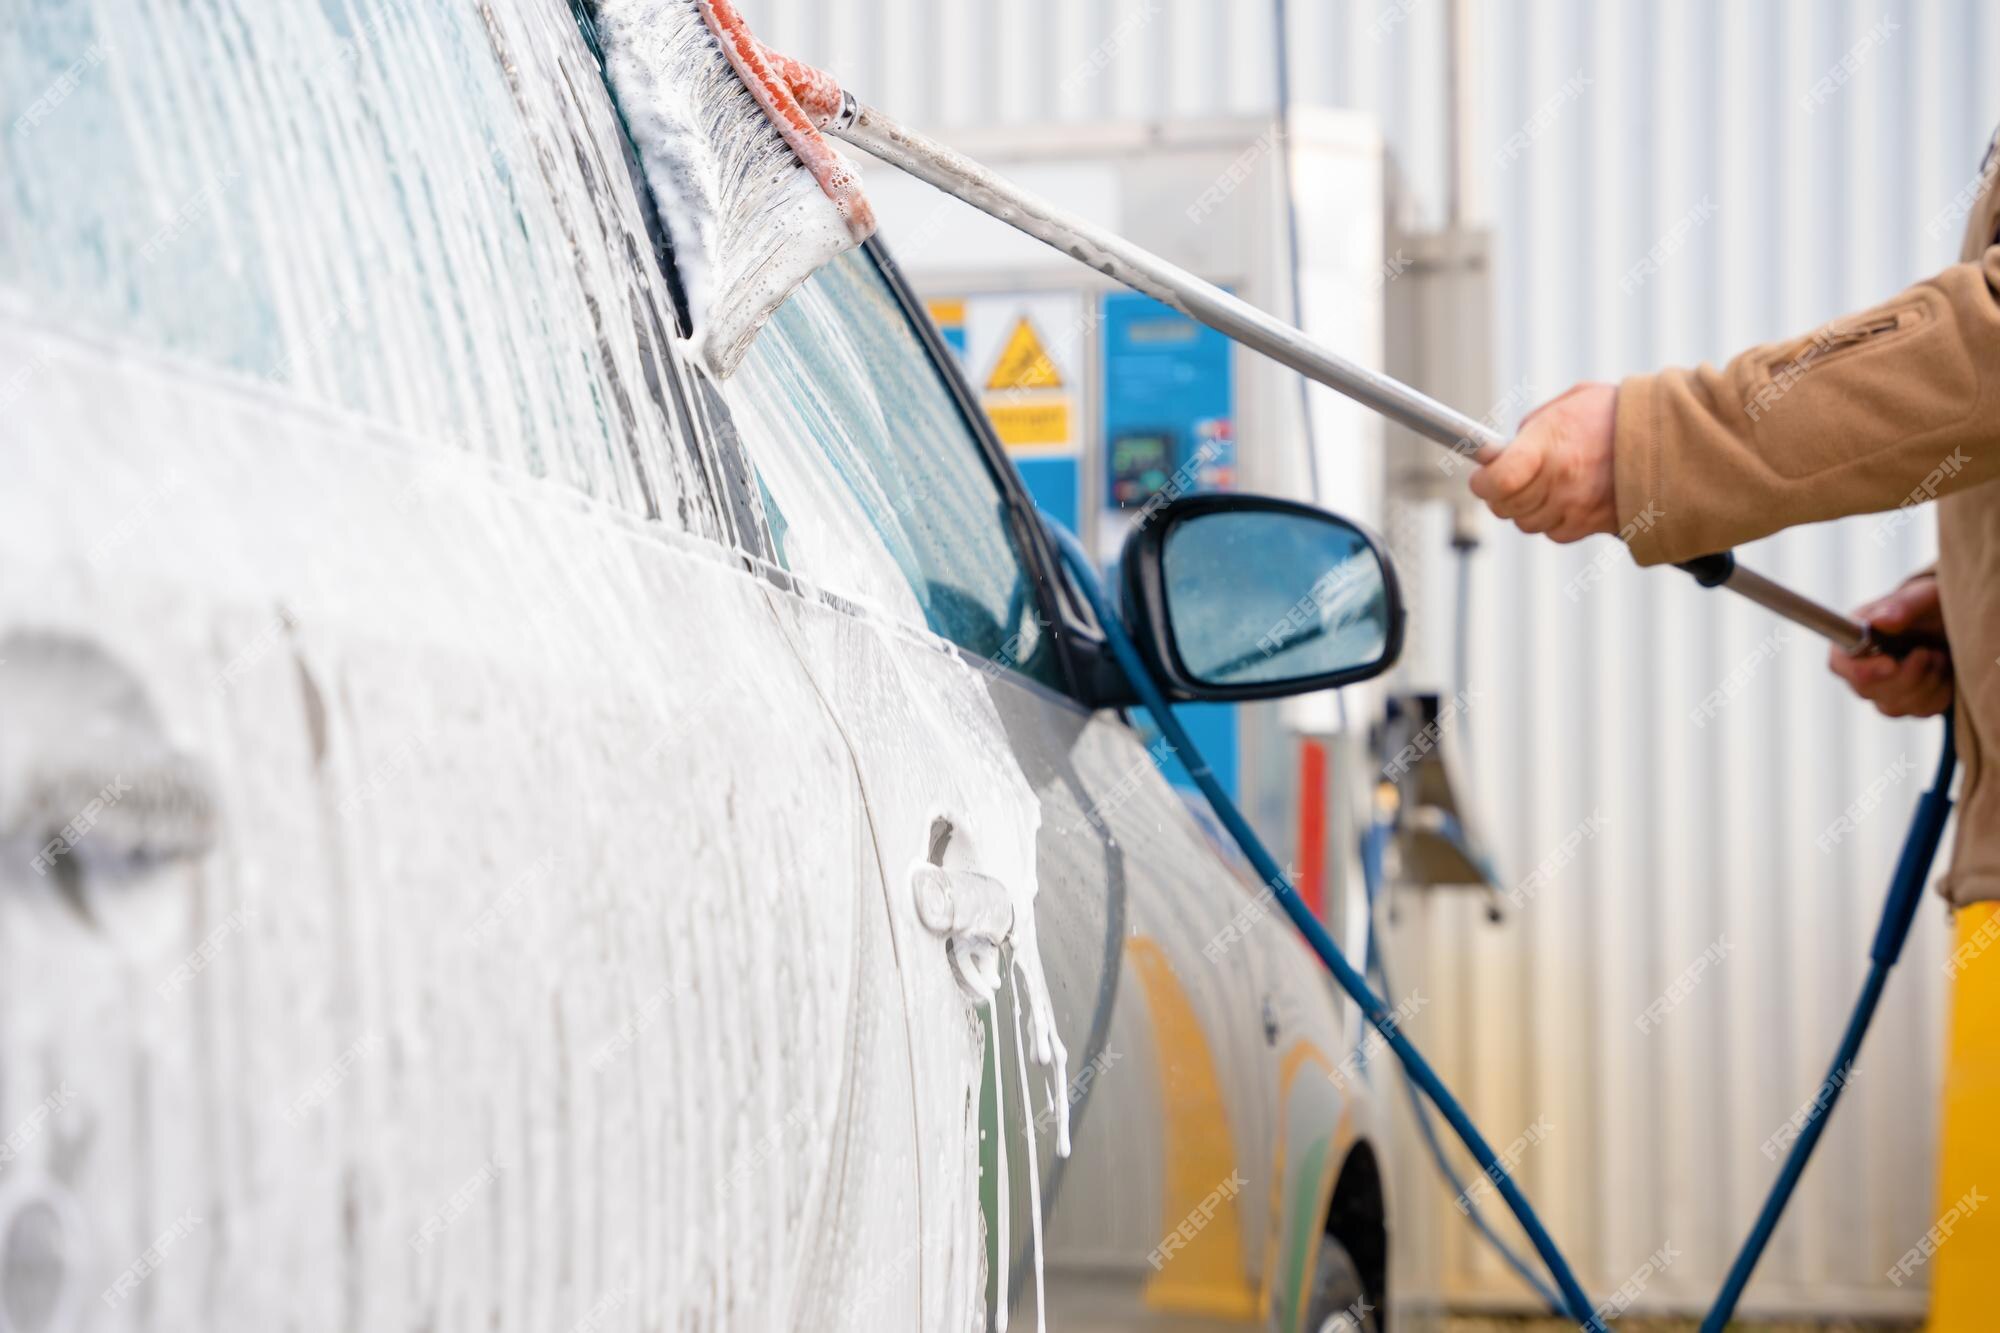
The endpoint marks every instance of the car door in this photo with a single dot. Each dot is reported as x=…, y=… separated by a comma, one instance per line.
x=433, y=891
x=898, y=538
x=933, y=620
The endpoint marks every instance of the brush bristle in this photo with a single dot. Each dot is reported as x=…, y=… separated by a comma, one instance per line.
x=749, y=222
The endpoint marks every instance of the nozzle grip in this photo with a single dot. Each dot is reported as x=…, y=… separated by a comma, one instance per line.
x=1886, y=643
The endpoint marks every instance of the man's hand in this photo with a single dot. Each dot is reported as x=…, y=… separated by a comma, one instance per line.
x=1921, y=684
x=1556, y=476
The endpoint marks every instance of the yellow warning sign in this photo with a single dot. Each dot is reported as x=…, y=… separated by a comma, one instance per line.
x=1031, y=425
x=1024, y=363
x=1028, y=377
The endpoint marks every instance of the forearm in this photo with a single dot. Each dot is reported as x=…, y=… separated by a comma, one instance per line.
x=1899, y=404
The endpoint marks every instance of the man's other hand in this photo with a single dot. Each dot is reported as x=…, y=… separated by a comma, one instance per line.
x=1921, y=684
x=1556, y=476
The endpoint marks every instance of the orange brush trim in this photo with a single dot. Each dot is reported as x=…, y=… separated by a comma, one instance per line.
x=796, y=97
x=818, y=91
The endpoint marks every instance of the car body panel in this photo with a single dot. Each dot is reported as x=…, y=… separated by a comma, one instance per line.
x=512, y=926
x=505, y=986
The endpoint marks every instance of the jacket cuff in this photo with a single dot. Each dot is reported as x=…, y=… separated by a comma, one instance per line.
x=1643, y=509
x=1962, y=888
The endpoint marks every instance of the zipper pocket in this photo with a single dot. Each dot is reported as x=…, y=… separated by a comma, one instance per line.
x=1836, y=340
x=1880, y=325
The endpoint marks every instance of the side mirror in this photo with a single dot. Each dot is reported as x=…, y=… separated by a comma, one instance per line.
x=1249, y=597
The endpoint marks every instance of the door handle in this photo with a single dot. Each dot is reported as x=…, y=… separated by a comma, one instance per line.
x=87, y=773
x=962, y=903
x=156, y=811
x=973, y=914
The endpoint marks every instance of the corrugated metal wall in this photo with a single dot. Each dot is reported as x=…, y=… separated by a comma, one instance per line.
x=1805, y=204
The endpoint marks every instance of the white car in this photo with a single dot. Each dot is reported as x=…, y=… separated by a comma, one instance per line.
x=470, y=784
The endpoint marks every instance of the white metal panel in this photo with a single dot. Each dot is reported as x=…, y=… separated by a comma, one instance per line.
x=1710, y=830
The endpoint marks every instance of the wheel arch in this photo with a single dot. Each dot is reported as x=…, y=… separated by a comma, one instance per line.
x=1358, y=1217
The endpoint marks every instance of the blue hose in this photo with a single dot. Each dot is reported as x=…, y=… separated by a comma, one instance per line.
x=1378, y=1013
x=1372, y=875
x=1898, y=915
x=1906, y=891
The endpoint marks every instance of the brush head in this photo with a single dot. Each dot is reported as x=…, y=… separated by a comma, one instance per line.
x=754, y=200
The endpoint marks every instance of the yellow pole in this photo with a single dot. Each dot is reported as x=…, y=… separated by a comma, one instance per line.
x=1967, y=1264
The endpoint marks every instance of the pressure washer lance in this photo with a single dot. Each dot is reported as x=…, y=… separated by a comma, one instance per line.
x=1119, y=259
x=730, y=130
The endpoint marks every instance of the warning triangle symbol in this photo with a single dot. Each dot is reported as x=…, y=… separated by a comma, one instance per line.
x=1023, y=363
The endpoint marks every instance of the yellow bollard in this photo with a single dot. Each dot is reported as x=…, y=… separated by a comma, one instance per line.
x=1962, y=1292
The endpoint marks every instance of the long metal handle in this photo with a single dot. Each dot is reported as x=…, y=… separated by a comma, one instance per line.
x=1848, y=633
x=1120, y=260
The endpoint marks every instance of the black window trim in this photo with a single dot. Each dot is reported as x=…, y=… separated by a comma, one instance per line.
x=1093, y=678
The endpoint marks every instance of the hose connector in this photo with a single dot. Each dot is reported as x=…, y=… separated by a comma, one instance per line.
x=1711, y=571
x=849, y=112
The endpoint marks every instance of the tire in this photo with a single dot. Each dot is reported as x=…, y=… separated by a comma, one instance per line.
x=1338, y=1301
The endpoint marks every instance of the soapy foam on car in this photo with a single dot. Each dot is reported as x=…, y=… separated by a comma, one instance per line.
x=749, y=219
x=984, y=790
x=682, y=971
x=1003, y=1209
x=1034, y=1167
x=1053, y=1057
x=756, y=203
x=803, y=401
x=818, y=480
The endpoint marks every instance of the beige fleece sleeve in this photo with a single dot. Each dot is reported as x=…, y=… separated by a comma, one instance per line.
x=1896, y=405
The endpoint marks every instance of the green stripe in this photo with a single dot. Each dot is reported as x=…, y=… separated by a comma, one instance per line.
x=1306, y=1229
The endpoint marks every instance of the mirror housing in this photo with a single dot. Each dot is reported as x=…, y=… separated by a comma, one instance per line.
x=1233, y=597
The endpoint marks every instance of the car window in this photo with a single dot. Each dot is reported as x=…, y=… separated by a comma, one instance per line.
x=420, y=214
x=877, y=488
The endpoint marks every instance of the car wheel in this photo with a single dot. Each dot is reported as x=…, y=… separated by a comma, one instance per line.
x=1338, y=1301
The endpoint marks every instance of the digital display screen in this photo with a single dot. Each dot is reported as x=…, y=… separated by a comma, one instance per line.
x=1141, y=465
